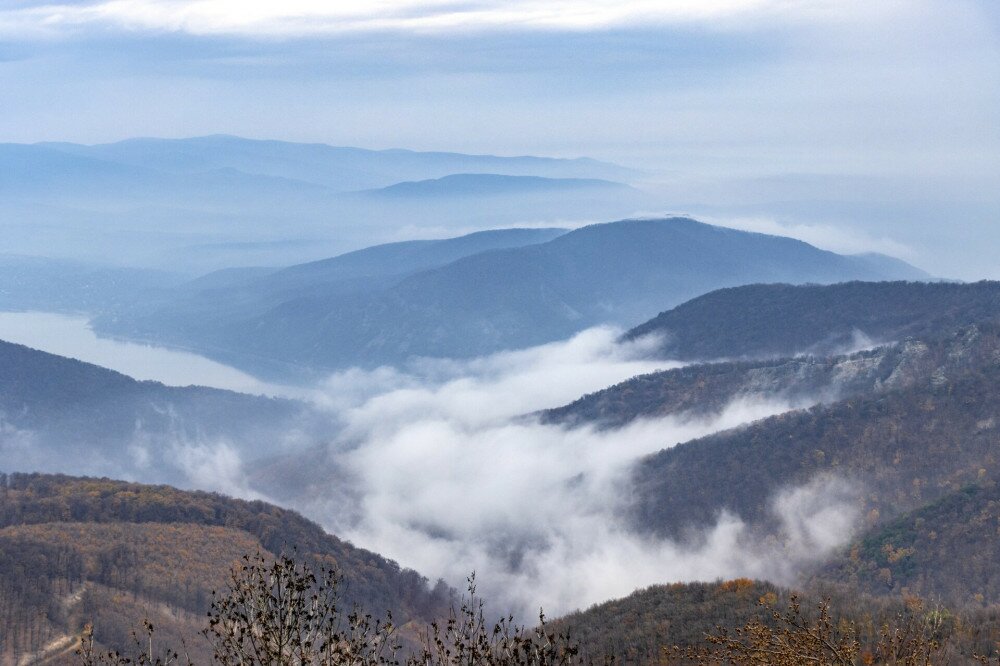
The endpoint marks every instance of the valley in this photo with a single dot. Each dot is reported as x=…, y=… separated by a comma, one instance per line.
x=423, y=333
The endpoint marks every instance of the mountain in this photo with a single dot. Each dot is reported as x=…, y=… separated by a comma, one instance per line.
x=784, y=319
x=644, y=627
x=59, y=414
x=705, y=390
x=616, y=273
x=341, y=168
x=780, y=320
x=60, y=285
x=896, y=449
x=488, y=184
x=77, y=550
x=201, y=308
x=402, y=258
x=907, y=430
x=208, y=203
x=916, y=552
x=64, y=173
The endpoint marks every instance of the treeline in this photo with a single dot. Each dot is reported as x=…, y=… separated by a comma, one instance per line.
x=67, y=544
x=774, y=320
x=646, y=626
x=905, y=448
x=948, y=549
x=285, y=612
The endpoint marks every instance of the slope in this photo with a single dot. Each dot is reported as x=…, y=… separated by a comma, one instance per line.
x=61, y=414
x=917, y=552
x=127, y=549
x=614, y=273
x=781, y=319
x=897, y=450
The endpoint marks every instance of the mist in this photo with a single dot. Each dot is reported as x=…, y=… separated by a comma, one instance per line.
x=442, y=468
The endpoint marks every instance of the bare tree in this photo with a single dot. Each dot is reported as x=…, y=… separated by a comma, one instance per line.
x=281, y=613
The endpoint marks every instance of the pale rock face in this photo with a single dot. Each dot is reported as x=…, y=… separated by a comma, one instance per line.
x=912, y=352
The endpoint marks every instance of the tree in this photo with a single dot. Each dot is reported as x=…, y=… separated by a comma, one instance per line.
x=282, y=613
x=285, y=613
x=793, y=640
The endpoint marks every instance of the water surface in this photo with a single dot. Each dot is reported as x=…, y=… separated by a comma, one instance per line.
x=71, y=336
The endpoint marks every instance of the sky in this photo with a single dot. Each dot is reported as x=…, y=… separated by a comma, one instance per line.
x=889, y=111
x=751, y=85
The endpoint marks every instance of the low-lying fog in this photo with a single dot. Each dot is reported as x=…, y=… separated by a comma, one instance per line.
x=438, y=467
x=443, y=473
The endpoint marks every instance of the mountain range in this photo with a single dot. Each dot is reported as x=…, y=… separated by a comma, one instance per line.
x=206, y=203
x=905, y=428
x=488, y=300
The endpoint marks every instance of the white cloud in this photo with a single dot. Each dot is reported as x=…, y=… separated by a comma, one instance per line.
x=316, y=17
x=437, y=468
x=843, y=240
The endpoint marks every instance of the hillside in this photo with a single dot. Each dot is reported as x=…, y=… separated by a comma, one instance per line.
x=78, y=550
x=898, y=450
x=616, y=273
x=642, y=627
x=705, y=389
x=916, y=552
x=198, y=310
x=780, y=320
x=60, y=414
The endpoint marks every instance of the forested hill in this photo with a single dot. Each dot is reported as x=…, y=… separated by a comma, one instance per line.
x=644, y=627
x=705, y=389
x=57, y=411
x=614, y=273
x=948, y=549
x=899, y=450
x=767, y=320
x=69, y=545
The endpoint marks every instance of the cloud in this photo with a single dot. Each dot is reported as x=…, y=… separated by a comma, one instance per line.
x=322, y=17
x=437, y=468
x=844, y=240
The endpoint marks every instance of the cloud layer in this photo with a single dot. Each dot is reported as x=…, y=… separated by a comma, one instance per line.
x=439, y=469
x=319, y=17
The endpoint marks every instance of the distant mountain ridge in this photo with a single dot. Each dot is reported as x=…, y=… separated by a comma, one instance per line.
x=208, y=203
x=341, y=168
x=615, y=273
x=487, y=184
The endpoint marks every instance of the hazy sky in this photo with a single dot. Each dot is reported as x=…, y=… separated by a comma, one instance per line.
x=717, y=85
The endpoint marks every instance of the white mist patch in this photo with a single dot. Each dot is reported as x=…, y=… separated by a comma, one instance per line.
x=214, y=466
x=843, y=240
x=447, y=476
x=500, y=386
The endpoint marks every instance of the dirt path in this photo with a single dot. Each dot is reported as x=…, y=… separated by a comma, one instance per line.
x=61, y=646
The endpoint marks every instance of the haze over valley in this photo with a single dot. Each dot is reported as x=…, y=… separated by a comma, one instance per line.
x=678, y=321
